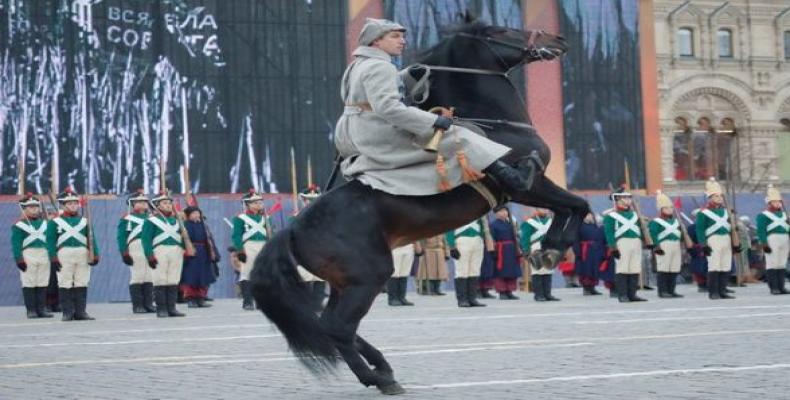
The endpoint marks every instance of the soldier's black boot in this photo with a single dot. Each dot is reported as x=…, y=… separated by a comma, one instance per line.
x=436, y=287
x=547, y=288
x=471, y=291
x=393, y=293
x=147, y=289
x=724, y=279
x=663, y=287
x=30, y=302
x=403, y=287
x=136, y=293
x=780, y=281
x=621, y=285
x=80, y=295
x=160, y=296
x=246, y=296
x=462, y=293
x=633, y=285
x=512, y=179
x=40, y=295
x=537, y=288
x=713, y=286
x=66, y=303
x=672, y=280
x=172, y=297
x=770, y=280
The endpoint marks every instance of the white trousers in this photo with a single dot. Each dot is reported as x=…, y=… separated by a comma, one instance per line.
x=74, y=268
x=170, y=261
x=139, y=271
x=630, y=261
x=780, y=246
x=37, y=273
x=670, y=261
x=251, y=249
x=402, y=259
x=720, y=259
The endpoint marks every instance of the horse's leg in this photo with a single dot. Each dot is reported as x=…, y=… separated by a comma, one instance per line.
x=375, y=358
x=569, y=211
x=341, y=323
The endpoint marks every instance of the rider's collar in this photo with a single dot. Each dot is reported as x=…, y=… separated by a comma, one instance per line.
x=372, y=52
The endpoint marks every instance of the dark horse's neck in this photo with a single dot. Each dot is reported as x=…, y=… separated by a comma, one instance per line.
x=498, y=98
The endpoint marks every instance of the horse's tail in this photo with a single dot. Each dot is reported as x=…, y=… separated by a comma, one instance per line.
x=284, y=300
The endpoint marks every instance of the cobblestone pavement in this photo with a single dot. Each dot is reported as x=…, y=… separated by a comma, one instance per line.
x=579, y=348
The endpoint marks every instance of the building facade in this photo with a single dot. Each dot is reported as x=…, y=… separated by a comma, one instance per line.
x=723, y=72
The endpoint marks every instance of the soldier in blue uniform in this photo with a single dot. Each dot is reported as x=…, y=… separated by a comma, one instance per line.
x=590, y=252
x=507, y=268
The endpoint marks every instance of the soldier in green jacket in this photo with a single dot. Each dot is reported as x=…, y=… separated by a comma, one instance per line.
x=772, y=233
x=163, y=246
x=467, y=247
x=713, y=233
x=130, y=245
x=29, y=245
x=251, y=231
x=665, y=232
x=71, y=256
x=624, y=238
x=533, y=230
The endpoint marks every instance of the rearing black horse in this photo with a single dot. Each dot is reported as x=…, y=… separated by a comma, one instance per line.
x=346, y=236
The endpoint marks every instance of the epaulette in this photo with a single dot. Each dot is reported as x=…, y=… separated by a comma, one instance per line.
x=607, y=211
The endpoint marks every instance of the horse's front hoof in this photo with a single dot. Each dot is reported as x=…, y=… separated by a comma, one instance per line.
x=550, y=258
x=391, y=389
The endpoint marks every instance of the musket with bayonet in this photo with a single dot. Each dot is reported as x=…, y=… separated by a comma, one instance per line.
x=683, y=231
x=192, y=200
x=86, y=213
x=189, y=247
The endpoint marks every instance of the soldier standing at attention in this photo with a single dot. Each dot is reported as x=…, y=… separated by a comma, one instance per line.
x=29, y=245
x=713, y=232
x=67, y=240
x=251, y=231
x=665, y=231
x=164, y=248
x=533, y=231
x=624, y=238
x=772, y=234
x=467, y=246
x=130, y=245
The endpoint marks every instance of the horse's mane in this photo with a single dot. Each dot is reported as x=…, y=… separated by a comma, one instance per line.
x=467, y=24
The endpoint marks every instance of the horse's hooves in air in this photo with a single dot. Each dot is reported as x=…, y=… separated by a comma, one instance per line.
x=391, y=389
x=550, y=258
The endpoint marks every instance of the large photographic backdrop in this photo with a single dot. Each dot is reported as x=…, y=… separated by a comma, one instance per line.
x=109, y=95
x=602, y=96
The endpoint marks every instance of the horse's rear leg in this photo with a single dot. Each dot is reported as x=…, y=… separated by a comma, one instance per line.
x=375, y=358
x=341, y=322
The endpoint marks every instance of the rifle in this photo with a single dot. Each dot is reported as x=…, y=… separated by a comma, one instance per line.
x=683, y=231
x=86, y=213
x=736, y=239
x=645, y=232
x=192, y=200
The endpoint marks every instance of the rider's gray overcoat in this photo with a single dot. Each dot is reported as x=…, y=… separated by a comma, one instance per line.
x=383, y=148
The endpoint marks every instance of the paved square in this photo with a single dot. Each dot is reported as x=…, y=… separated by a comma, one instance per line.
x=579, y=348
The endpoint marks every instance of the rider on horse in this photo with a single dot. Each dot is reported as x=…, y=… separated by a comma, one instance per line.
x=382, y=140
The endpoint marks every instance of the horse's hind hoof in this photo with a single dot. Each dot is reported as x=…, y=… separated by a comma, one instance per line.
x=391, y=389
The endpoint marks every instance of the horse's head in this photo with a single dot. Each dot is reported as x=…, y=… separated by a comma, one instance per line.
x=478, y=45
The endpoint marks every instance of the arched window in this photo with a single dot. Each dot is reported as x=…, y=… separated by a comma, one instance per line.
x=685, y=42
x=702, y=151
x=725, y=43
x=787, y=45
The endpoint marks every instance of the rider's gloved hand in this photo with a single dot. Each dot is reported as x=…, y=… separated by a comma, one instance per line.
x=442, y=123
